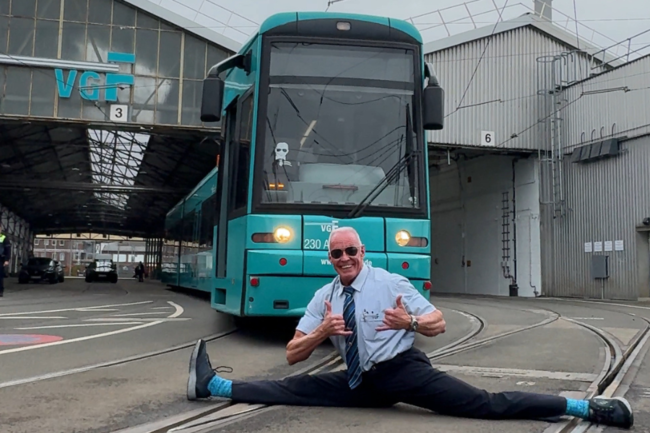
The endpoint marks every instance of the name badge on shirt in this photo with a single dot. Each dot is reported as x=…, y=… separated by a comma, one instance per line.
x=370, y=316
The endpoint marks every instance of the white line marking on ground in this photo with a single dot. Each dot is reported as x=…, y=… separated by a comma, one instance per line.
x=178, y=312
x=31, y=317
x=179, y=309
x=138, y=314
x=597, y=302
x=81, y=325
x=74, y=309
x=108, y=363
x=500, y=372
x=143, y=319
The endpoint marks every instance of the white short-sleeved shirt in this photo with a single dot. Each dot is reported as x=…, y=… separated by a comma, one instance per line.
x=375, y=291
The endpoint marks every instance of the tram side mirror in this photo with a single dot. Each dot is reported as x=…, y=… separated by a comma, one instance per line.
x=212, y=99
x=433, y=115
x=433, y=104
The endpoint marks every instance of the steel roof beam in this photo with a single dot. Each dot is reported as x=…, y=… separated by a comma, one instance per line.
x=78, y=186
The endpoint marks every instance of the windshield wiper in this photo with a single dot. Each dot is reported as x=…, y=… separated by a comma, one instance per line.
x=392, y=174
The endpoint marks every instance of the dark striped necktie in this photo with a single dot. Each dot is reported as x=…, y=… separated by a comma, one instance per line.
x=352, y=351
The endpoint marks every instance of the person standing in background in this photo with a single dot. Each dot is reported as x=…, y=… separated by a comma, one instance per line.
x=5, y=256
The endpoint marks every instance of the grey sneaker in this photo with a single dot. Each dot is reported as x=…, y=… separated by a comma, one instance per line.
x=615, y=412
x=201, y=372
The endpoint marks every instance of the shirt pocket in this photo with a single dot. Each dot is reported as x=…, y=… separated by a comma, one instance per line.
x=370, y=321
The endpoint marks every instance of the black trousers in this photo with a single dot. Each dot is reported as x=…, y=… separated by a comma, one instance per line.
x=2, y=276
x=408, y=378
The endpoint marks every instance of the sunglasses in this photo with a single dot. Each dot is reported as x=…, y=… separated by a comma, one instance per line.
x=350, y=251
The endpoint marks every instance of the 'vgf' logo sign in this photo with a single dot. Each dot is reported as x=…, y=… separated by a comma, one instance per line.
x=90, y=82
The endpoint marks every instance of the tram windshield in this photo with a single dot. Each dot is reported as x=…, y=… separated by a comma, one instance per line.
x=332, y=138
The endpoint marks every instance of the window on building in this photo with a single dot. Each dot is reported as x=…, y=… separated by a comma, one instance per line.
x=61, y=243
x=62, y=257
x=37, y=241
x=46, y=242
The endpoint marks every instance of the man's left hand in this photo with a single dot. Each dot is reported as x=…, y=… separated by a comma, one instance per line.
x=396, y=318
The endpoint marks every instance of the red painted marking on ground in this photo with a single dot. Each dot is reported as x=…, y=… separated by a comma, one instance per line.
x=27, y=339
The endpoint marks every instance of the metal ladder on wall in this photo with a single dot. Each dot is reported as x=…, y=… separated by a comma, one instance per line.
x=555, y=73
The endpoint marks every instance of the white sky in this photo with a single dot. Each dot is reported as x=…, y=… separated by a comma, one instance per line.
x=614, y=20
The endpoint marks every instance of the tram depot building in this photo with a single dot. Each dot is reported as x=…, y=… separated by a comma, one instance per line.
x=539, y=180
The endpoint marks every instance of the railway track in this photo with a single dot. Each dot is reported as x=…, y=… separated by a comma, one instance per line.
x=615, y=366
x=134, y=358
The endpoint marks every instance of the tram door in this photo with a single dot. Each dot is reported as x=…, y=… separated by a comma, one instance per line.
x=234, y=173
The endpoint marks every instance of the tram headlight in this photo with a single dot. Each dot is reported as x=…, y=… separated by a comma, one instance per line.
x=402, y=238
x=282, y=235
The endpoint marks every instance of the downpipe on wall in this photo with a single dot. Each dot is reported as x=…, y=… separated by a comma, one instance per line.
x=513, y=287
x=530, y=255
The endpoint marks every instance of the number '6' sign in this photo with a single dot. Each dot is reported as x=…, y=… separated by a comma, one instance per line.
x=487, y=138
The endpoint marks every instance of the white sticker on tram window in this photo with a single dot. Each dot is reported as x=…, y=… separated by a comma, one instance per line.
x=281, y=152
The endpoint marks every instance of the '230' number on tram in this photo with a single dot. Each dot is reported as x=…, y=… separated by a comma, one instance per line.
x=316, y=244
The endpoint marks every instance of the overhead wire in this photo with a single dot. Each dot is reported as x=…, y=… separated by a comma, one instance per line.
x=489, y=39
x=582, y=94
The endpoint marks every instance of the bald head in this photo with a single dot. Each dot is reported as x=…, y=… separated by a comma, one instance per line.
x=347, y=231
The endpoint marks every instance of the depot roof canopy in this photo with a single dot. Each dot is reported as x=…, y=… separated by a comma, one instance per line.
x=70, y=177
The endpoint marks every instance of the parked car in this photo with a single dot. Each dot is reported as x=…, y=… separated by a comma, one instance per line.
x=41, y=269
x=101, y=268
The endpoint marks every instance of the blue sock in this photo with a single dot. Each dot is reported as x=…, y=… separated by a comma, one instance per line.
x=578, y=408
x=220, y=387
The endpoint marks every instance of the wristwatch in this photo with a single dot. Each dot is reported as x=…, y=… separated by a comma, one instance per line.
x=414, y=324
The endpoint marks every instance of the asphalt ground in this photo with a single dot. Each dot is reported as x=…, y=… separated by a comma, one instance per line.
x=102, y=357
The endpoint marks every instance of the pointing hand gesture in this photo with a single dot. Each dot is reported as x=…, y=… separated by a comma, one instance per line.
x=396, y=318
x=333, y=324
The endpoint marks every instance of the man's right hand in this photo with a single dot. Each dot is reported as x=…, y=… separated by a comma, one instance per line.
x=333, y=324
x=302, y=345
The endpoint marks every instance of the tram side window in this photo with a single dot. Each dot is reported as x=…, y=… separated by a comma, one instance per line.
x=188, y=228
x=177, y=232
x=241, y=164
x=207, y=221
x=174, y=234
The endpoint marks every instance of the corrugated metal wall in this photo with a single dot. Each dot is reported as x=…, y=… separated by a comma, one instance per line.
x=505, y=87
x=606, y=200
x=613, y=111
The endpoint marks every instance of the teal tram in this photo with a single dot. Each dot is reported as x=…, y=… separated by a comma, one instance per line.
x=323, y=119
